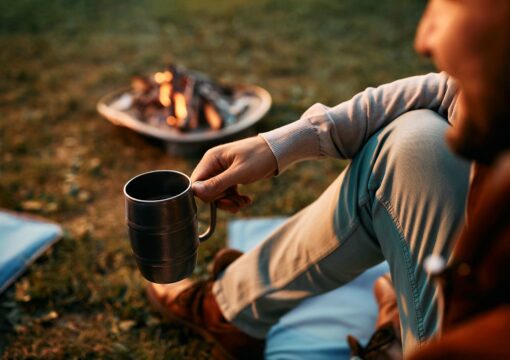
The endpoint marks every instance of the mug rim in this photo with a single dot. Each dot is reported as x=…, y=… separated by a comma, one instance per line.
x=159, y=200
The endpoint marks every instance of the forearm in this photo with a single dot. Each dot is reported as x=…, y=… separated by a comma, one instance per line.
x=342, y=130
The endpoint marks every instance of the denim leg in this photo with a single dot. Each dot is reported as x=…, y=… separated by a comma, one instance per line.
x=401, y=199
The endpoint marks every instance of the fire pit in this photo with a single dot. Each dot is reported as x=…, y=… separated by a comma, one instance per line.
x=185, y=109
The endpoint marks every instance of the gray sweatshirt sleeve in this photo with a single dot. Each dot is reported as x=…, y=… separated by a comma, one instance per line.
x=342, y=130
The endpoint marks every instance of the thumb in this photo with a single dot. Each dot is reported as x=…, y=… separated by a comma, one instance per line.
x=210, y=189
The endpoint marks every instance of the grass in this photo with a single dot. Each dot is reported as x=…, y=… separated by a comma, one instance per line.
x=84, y=298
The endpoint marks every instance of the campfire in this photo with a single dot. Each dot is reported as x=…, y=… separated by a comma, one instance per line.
x=185, y=109
x=184, y=100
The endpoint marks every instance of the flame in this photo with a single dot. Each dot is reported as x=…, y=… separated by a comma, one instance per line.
x=176, y=107
x=180, y=106
x=212, y=117
x=165, y=90
x=162, y=77
x=171, y=120
x=164, y=94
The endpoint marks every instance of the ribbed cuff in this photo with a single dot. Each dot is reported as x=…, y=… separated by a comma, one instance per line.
x=293, y=142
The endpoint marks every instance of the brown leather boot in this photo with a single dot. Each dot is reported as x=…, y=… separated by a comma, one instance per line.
x=385, y=343
x=193, y=305
x=387, y=302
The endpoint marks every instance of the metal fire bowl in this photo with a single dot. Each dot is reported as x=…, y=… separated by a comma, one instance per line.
x=116, y=107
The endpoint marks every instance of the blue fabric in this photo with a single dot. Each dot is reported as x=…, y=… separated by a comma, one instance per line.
x=318, y=327
x=22, y=240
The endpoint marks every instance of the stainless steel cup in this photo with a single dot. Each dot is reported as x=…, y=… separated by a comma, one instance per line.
x=161, y=216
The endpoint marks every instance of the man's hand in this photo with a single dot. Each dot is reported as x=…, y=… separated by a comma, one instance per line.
x=224, y=167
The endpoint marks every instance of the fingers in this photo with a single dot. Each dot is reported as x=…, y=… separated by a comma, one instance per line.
x=209, y=166
x=222, y=167
x=231, y=205
x=214, y=162
x=232, y=201
x=213, y=175
x=212, y=188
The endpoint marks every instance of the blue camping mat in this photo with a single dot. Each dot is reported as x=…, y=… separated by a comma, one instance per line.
x=318, y=327
x=22, y=240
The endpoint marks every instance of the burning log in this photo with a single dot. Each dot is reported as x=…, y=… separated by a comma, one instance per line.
x=184, y=100
x=212, y=116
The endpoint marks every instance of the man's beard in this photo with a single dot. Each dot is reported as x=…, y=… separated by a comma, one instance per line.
x=479, y=135
x=466, y=143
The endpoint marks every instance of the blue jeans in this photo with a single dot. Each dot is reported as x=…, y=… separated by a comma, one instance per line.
x=401, y=199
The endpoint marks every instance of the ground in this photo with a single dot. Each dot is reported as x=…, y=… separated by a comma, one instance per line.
x=61, y=160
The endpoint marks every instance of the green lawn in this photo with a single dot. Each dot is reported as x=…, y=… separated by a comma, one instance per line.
x=59, y=158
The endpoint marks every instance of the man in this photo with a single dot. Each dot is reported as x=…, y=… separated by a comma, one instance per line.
x=401, y=199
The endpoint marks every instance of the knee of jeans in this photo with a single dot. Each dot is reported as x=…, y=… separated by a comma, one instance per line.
x=419, y=133
x=411, y=148
x=412, y=138
x=409, y=155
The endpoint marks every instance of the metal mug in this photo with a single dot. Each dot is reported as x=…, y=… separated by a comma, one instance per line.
x=161, y=215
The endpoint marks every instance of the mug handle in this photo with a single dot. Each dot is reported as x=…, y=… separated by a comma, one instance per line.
x=212, y=225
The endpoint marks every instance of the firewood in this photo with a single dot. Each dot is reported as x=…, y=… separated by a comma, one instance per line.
x=182, y=99
x=213, y=118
